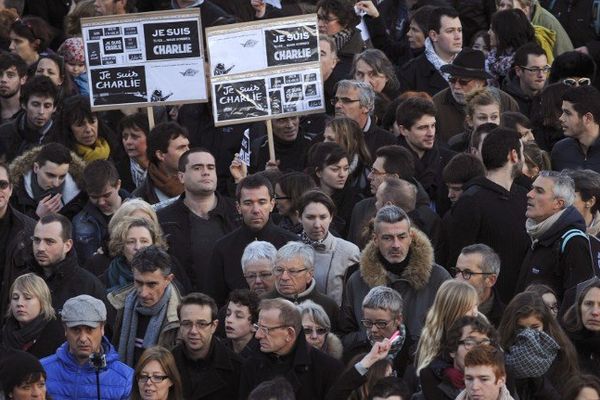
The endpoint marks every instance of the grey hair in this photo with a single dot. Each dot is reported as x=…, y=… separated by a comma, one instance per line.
x=297, y=249
x=316, y=312
x=258, y=250
x=366, y=94
x=390, y=214
x=384, y=298
x=490, y=261
x=564, y=186
x=329, y=39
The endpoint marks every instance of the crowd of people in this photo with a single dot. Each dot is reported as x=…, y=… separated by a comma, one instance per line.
x=435, y=234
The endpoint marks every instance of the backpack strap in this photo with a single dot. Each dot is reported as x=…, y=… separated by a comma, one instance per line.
x=571, y=233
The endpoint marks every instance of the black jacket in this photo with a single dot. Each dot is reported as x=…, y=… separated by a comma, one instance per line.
x=546, y=263
x=47, y=341
x=512, y=85
x=420, y=75
x=18, y=250
x=587, y=344
x=225, y=272
x=376, y=137
x=292, y=156
x=489, y=214
x=216, y=377
x=16, y=137
x=146, y=191
x=567, y=153
x=311, y=372
x=436, y=386
x=175, y=223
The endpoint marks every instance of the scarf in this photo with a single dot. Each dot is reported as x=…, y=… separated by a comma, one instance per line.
x=396, y=346
x=342, y=38
x=23, y=337
x=434, y=59
x=119, y=274
x=594, y=226
x=316, y=244
x=132, y=307
x=34, y=136
x=169, y=185
x=455, y=376
x=504, y=394
x=138, y=174
x=499, y=65
x=537, y=230
x=532, y=354
x=39, y=193
x=99, y=151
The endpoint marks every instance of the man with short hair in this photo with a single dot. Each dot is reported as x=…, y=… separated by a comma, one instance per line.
x=34, y=126
x=580, y=121
x=461, y=169
x=528, y=77
x=146, y=312
x=396, y=192
x=90, y=225
x=284, y=351
x=13, y=75
x=400, y=257
x=199, y=217
x=255, y=203
x=329, y=60
x=560, y=252
x=167, y=141
x=71, y=373
x=466, y=74
x=258, y=260
x=294, y=271
x=47, y=182
x=209, y=370
x=485, y=375
x=54, y=261
x=443, y=42
x=490, y=209
x=356, y=100
x=479, y=266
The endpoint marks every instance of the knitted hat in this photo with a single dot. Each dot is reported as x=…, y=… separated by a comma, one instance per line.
x=16, y=367
x=72, y=50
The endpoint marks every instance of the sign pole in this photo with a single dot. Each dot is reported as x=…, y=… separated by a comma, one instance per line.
x=271, y=143
x=150, y=112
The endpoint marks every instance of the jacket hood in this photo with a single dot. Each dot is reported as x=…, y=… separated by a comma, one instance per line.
x=570, y=219
x=416, y=273
x=512, y=86
x=334, y=346
x=22, y=165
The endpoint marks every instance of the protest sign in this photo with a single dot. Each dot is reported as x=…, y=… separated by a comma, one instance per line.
x=265, y=69
x=145, y=59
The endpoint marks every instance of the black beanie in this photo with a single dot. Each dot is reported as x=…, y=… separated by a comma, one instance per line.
x=16, y=367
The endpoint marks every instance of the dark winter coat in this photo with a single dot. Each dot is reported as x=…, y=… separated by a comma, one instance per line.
x=292, y=156
x=434, y=385
x=512, y=86
x=376, y=137
x=567, y=153
x=420, y=75
x=587, y=344
x=45, y=343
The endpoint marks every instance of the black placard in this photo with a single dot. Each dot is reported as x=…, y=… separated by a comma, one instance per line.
x=165, y=41
x=130, y=30
x=93, y=54
x=293, y=93
x=293, y=78
x=291, y=46
x=119, y=85
x=113, y=45
x=95, y=34
x=112, y=31
x=136, y=57
x=109, y=60
x=238, y=100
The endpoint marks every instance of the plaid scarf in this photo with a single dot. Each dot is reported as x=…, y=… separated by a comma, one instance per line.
x=532, y=354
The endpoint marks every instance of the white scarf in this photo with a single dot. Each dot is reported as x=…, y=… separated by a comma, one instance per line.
x=434, y=59
x=536, y=230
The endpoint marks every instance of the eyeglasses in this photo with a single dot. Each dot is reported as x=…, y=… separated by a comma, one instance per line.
x=190, y=324
x=380, y=324
x=326, y=18
x=278, y=271
x=267, y=329
x=461, y=81
x=152, y=378
x=318, y=331
x=282, y=197
x=545, y=69
x=470, y=343
x=261, y=275
x=4, y=184
x=467, y=273
x=577, y=82
x=343, y=100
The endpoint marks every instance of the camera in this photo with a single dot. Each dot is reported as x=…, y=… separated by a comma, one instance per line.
x=98, y=360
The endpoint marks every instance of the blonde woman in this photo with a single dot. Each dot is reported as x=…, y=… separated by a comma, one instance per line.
x=453, y=300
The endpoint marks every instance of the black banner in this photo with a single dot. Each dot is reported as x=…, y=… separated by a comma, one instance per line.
x=165, y=41
x=113, y=45
x=241, y=100
x=119, y=85
x=291, y=46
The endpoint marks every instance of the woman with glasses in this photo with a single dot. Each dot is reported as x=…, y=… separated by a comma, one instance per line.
x=317, y=329
x=538, y=352
x=156, y=376
x=548, y=296
x=333, y=255
x=582, y=323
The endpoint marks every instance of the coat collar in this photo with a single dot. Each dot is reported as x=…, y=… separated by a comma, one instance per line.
x=416, y=273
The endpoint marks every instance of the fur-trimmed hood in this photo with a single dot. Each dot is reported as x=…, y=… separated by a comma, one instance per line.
x=23, y=164
x=333, y=346
x=416, y=273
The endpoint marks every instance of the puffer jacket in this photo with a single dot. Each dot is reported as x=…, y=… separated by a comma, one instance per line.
x=67, y=379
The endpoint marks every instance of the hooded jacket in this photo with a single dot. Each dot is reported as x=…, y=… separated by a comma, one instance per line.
x=543, y=17
x=21, y=173
x=512, y=86
x=67, y=379
x=417, y=285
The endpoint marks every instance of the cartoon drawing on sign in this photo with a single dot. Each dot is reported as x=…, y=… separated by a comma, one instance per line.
x=250, y=43
x=157, y=95
x=189, y=72
x=221, y=70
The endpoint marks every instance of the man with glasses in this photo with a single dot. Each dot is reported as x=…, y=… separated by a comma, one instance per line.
x=294, y=271
x=285, y=352
x=479, y=266
x=580, y=121
x=529, y=77
x=356, y=100
x=466, y=73
x=209, y=370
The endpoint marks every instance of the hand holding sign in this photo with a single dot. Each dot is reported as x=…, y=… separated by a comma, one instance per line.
x=238, y=169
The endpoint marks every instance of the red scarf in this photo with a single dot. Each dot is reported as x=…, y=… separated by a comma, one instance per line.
x=456, y=377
